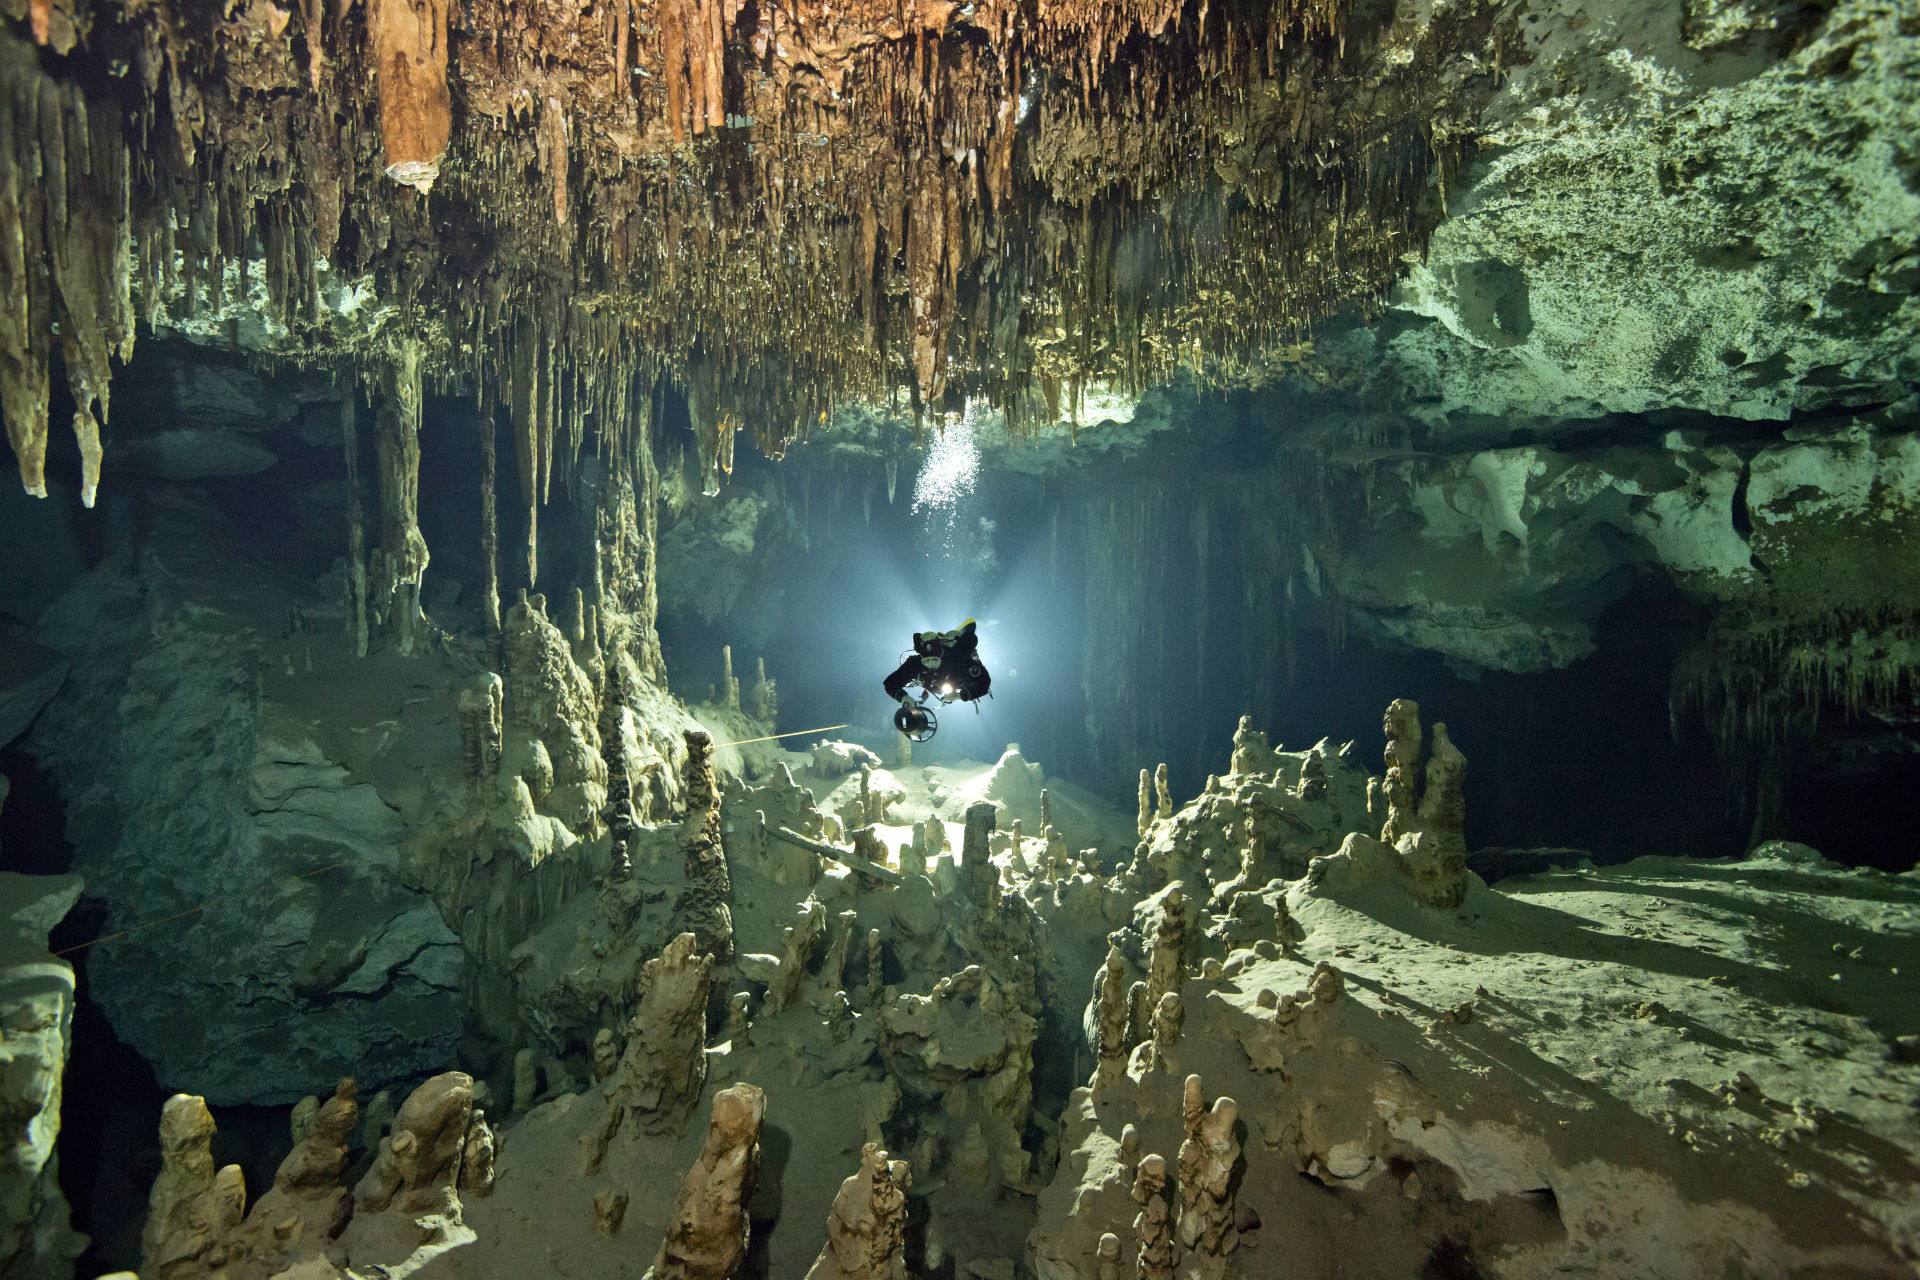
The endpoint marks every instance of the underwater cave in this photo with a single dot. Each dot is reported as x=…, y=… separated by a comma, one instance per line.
x=690, y=640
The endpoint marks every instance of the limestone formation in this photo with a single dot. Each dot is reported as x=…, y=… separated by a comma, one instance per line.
x=876, y=970
x=606, y=1053
x=481, y=710
x=410, y=60
x=979, y=878
x=1145, y=819
x=764, y=701
x=660, y=1076
x=729, y=685
x=800, y=938
x=867, y=1226
x=1313, y=777
x=376, y=1117
x=1167, y=1018
x=1250, y=751
x=402, y=556
x=1207, y=1159
x=477, y=1155
x=302, y=1118
x=36, y=1011
x=1152, y=1226
x=1425, y=808
x=739, y=1026
x=707, y=1230
x=609, y=1211
x=417, y=1166
x=1436, y=856
x=704, y=906
x=194, y=1208
x=1168, y=955
x=1403, y=757
x=307, y=1205
x=1112, y=1001
x=832, y=759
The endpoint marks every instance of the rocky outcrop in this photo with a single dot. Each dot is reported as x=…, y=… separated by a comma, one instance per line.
x=30, y=675
x=191, y=767
x=36, y=1010
x=1506, y=558
x=1679, y=168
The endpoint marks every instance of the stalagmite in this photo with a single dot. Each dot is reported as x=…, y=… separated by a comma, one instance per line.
x=417, y=1166
x=876, y=971
x=800, y=937
x=481, y=709
x=1167, y=1017
x=410, y=75
x=1162, y=796
x=1145, y=819
x=833, y=969
x=662, y=1072
x=1207, y=1160
x=1169, y=949
x=703, y=906
x=301, y=1121
x=765, y=699
x=1403, y=756
x=609, y=1211
x=1313, y=777
x=1435, y=856
x=1152, y=1226
x=729, y=686
x=739, y=1028
x=979, y=878
x=606, y=1053
x=306, y=1206
x=193, y=1208
x=1110, y=1043
x=707, y=1230
x=1251, y=754
x=867, y=1225
x=477, y=1155
x=1107, y=1257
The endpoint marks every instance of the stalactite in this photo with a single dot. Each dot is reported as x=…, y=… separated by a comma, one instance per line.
x=403, y=551
x=64, y=185
x=410, y=73
x=356, y=527
x=864, y=161
x=489, y=526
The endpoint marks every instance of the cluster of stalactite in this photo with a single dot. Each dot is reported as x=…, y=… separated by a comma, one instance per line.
x=64, y=265
x=1760, y=687
x=776, y=208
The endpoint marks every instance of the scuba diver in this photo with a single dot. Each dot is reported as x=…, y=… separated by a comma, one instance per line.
x=945, y=665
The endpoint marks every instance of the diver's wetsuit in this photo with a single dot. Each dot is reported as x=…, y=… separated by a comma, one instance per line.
x=957, y=666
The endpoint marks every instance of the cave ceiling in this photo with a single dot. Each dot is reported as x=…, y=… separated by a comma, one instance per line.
x=775, y=208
